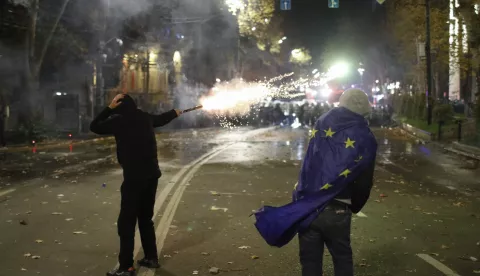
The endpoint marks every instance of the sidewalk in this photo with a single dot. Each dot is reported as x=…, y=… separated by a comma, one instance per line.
x=455, y=147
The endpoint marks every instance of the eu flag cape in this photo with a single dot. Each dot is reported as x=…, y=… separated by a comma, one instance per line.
x=341, y=146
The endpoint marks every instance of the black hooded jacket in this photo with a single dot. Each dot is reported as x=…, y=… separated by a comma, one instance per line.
x=135, y=136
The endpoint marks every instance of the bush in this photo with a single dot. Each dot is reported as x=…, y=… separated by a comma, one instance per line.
x=443, y=112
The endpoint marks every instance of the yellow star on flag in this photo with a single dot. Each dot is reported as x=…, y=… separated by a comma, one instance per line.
x=312, y=135
x=349, y=143
x=329, y=132
x=359, y=158
x=345, y=173
x=326, y=187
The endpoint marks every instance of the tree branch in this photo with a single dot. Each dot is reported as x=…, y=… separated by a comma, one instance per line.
x=39, y=62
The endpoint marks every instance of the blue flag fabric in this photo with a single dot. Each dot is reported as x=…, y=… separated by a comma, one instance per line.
x=341, y=146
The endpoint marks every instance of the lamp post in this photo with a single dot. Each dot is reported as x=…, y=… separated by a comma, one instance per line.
x=429, y=63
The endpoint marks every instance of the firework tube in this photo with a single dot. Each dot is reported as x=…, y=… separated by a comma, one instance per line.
x=193, y=108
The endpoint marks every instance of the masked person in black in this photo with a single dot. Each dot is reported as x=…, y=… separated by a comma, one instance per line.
x=137, y=154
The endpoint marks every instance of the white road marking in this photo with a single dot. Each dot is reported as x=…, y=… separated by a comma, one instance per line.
x=6, y=192
x=166, y=221
x=362, y=215
x=438, y=265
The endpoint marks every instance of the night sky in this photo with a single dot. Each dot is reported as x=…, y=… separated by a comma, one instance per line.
x=311, y=22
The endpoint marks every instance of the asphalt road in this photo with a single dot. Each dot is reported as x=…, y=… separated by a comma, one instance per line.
x=422, y=217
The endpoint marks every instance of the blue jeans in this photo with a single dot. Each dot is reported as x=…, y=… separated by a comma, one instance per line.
x=332, y=228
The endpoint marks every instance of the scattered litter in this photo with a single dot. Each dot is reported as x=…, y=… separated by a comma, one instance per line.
x=28, y=212
x=35, y=257
x=445, y=247
x=458, y=204
x=173, y=227
x=60, y=195
x=229, y=263
x=473, y=259
x=57, y=213
x=434, y=254
x=476, y=271
x=214, y=193
x=28, y=255
x=205, y=253
x=376, y=200
x=396, y=191
x=23, y=269
x=79, y=233
x=44, y=202
x=244, y=247
x=254, y=257
x=195, y=272
x=214, y=270
x=214, y=208
x=167, y=256
x=104, y=185
x=39, y=241
x=64, y=201
x=383, y=195
x=23, y=222
x=69, y=219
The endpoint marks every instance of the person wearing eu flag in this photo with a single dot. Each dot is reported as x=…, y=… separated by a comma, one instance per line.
x=334, y=182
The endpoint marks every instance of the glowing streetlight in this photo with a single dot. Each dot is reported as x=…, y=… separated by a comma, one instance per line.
x=280, y=41
x=361, y=70
x=254, y=28
x=314, y=71
x=218, y=80
x=283, y=38
x=266, y=20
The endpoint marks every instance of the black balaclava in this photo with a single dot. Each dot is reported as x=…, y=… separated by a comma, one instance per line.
x=127, y=106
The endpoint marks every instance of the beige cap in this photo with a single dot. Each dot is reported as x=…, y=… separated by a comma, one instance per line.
x=356, y=100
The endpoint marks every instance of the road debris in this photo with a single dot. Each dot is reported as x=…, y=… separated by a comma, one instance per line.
x=35, y=257
x=214, y=208
x=39, y=241
x=214, y=193
x=167, y=256
x=244, y=247
x=79, y=233
x=27, y=255
x=57, y=213
x=254, y=257
x=195, y=272
x=23, y=222
x=214, y=270
x=205, y=253
x=69, y=219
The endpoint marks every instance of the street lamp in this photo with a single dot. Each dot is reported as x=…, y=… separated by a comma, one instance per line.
x=360, y=71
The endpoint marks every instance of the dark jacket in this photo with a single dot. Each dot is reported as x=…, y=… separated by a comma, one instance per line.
x=359, y=190
x=135, y=136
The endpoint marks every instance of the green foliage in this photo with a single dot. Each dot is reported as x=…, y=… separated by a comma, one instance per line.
x=443, y=113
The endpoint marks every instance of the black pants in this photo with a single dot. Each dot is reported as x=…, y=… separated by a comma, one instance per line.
x=332, y=228
x=138, y=201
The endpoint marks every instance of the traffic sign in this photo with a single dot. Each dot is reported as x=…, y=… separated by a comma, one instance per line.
x=334, y=4
x=285, y=5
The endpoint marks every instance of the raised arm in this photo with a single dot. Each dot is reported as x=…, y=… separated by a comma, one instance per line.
x=164, y=118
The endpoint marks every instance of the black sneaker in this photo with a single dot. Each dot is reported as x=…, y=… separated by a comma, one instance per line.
x=122, y=272
x=150, y=263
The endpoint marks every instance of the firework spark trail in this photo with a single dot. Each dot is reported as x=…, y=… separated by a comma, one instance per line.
x=237, y=97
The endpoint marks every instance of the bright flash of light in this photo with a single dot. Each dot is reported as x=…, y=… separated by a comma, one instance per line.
x=234, y=6
x=234, y=97
x=337, y=71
